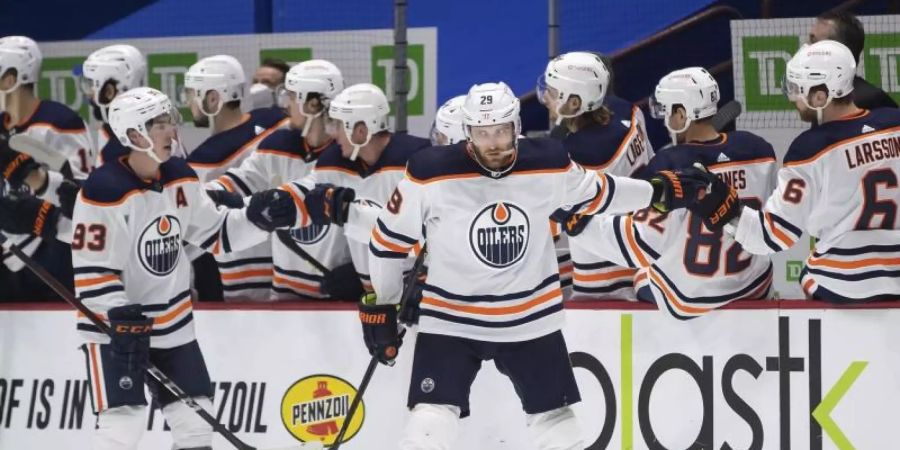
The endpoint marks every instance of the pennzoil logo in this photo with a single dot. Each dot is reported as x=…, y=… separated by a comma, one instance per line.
x=309, y=234
x=159, y=247
x=315, y=408
x=499, y=234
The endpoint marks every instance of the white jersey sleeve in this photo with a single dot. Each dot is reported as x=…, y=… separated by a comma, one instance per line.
x=397, y=230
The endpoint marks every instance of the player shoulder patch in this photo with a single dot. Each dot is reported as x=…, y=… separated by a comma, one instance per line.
x=499, y=234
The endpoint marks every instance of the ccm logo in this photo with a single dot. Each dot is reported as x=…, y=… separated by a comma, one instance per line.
x=723, y=208
x=133, y=329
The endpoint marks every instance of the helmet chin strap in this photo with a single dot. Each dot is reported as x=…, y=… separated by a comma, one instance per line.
x=309, y=120
x=819, y=110
x=560, y=116
x=356, y=147
x=148, y=150
x=673, y=133
x=494, y=173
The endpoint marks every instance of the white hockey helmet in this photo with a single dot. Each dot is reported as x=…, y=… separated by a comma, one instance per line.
x=692, y=88
x=363, y=102
x=491, y=104
x=316, y=76
x=221, y=73
x=576, y=73
x=825, y=63
x=20, y=53
x=448, y=127
x=134, y=109
x=121, y=63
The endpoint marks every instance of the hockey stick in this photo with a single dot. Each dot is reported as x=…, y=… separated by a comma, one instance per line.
x=163, y=379
x=726, y=114
x=36, y=149
x=373, y=363
x=285, y=238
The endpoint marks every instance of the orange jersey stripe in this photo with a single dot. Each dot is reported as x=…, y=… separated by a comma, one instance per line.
x=499, y=311
x=629, y=236
x=390, y=246
x=741, y=163
x=87, y=282
x=137, y=191
x=674, y=300
x=831, y=147
x=294, y=284
x=301, y=206
x=784, y=238
x=170, y=316
x=96, y=372
x=859, y=264
x=623, y=273
x=230, y=276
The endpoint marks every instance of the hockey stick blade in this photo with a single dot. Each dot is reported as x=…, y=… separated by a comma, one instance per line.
x=36, y=149
x=727, y=114
x=163, y=379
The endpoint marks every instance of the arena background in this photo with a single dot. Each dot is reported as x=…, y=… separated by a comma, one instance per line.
x=776, y=375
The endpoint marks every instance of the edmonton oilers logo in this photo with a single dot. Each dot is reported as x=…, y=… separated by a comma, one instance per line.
x=499, y=234
x=160, y=245
x=310, y=234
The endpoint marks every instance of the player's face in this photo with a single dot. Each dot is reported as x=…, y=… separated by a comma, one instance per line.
x=494, y=144
x=268, y=76
x=310, y=107
x=163, y=131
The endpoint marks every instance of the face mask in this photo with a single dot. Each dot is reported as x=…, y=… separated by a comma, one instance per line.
x=261, y=96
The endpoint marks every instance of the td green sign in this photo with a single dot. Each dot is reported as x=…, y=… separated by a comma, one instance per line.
x=383, y=75
x=765, y=60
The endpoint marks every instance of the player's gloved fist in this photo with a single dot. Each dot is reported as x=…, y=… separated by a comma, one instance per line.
x=130, y=340
x=28, y=215
x=15, y=166
x=67, y=192
x=230, y=200
x=572, y=224
x=272, y=209
x=327, y=204
x=718, y=206
x=342, y=283
x=673, y=189
x=380, y=329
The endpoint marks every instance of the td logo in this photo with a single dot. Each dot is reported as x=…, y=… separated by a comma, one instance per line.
x=880, y=58
x=165, y=71
x=58, y=83
x=383, y=75
x=765, y=61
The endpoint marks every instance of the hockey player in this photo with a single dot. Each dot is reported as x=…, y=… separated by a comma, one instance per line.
x=214, y=89
x=107, y=73
x=56, y=127
x=574, y=90
x=686, y=268
x=368, y=159
x=291, y=154
x=838, y=182
x=130, y=220
x=493, y=286
x=448, y=128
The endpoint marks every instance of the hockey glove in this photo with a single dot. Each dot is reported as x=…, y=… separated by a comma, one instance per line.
x=327, y=204
x=674, y=189
x=342, y=283
x=272, y=209
x=719, y=206
x=67, y=193
x=230, y=200
x=130, y=340
x=15, y=166
x=28, y=215
x=572, y=224
x=380, y=329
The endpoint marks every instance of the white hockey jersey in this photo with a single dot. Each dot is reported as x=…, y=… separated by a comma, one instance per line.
x=685, y=268
x=282, y=157
x=127, y=244
x=840, y=183
x=375, y=184
x=246, y=275
x=62, y=130
x=619, y=148
x=492, y=273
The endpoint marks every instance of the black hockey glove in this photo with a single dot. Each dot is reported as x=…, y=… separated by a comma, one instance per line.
x=327, y=204
x=272, y=209
x=572, y=224
x=380, y=329
x=15, y=166
x=674, y=189
x=342, y=283
x=67, y=193
x=231, y=200
x=28, y=215
x=130, y=340
x=719, y=206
